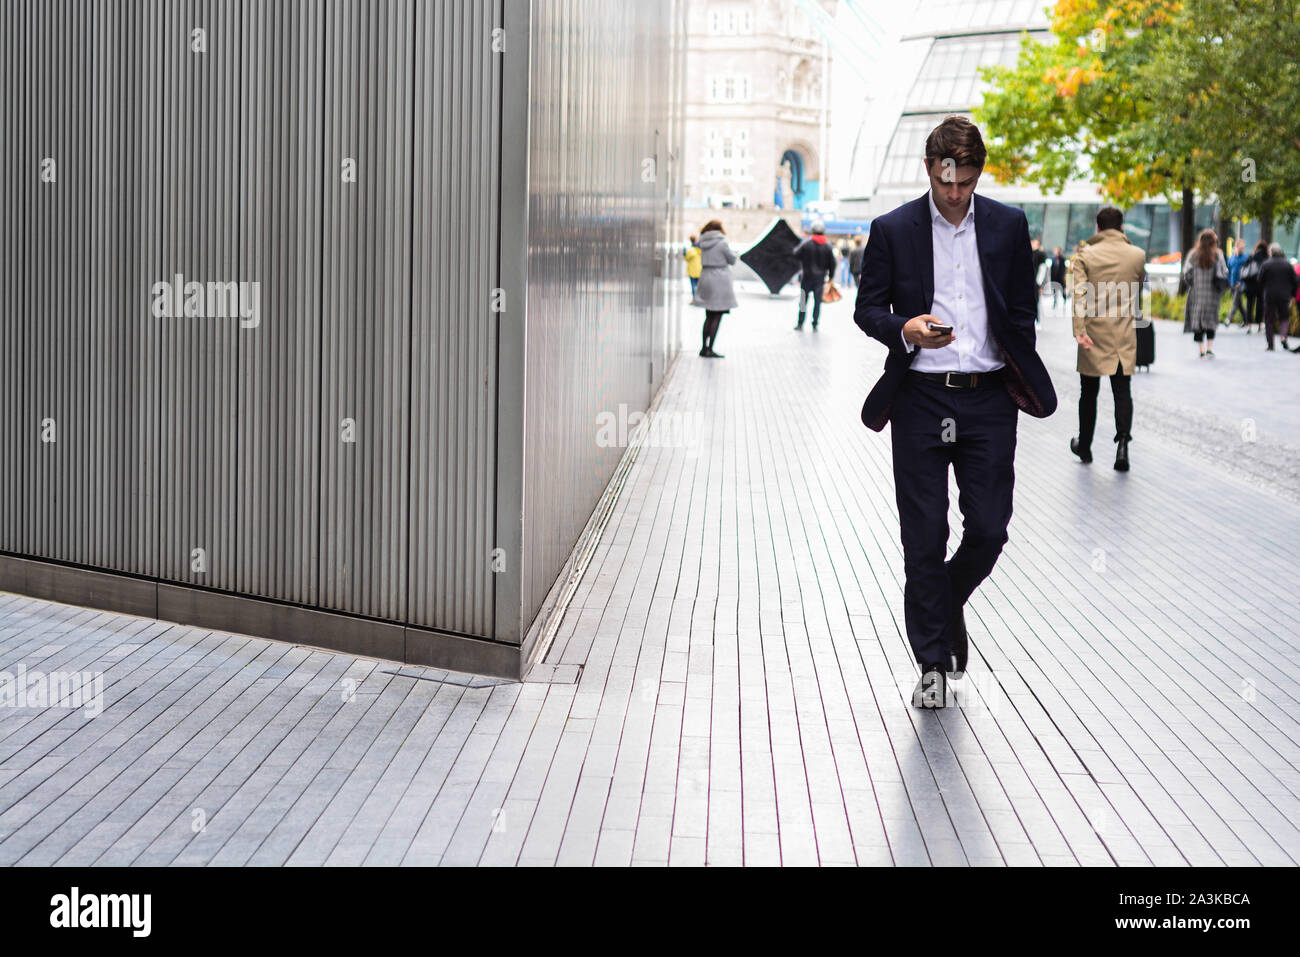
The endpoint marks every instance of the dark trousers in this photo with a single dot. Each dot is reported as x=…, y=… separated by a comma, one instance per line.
x=816, y=295
x=1277, y=318
x=1090, y=386
x=1238, y=306
x=973, y=431
x=695, y=281
x=1252, y=315
x=712, y=320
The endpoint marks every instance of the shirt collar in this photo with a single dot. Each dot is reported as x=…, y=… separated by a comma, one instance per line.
x=936, y=216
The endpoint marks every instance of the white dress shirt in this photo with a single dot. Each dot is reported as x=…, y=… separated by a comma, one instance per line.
x=958, y=300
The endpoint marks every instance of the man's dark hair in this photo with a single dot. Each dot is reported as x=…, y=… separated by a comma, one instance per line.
x=959, y=139
x=1108, y=217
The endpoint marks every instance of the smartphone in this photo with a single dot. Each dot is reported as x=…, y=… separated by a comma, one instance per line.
x=936, y=327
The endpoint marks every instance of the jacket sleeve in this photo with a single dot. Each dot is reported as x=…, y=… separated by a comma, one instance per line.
x=1082, y=293
x=726, y=251
x=1022, y=291
x=872, y=310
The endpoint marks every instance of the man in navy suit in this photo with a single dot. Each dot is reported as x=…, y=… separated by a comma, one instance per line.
x=948, y=287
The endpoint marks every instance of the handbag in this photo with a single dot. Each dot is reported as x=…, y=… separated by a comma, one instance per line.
x=830, y=293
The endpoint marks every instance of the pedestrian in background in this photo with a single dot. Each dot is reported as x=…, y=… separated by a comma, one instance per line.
x=855, y=260
x=1206, y=274
x=1297, y=298
x=1235, y=262
x=1040, y=264
x=842, y=251
x=1250, y=284
x=1057, y=270
x=816, y=261
x=1107, y=271
x=715, y=293
x=1277, y=290
x=692, y=257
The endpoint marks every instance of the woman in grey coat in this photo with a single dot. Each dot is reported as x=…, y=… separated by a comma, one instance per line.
x=1206, y=273
x=714, y=294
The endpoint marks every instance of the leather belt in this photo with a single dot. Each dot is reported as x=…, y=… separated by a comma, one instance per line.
x=961, y=380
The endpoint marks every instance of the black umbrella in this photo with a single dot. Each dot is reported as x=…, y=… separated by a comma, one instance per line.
x=772, y=257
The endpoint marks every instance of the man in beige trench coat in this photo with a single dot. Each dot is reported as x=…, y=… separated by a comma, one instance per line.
x=1107, y=275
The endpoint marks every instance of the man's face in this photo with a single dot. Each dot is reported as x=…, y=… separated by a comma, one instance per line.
x=951, y=185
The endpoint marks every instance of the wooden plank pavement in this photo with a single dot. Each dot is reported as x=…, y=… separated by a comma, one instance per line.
x=731, y=683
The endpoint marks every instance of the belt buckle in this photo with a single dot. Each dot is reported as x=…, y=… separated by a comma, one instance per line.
x=947, y=380
x=972, y=379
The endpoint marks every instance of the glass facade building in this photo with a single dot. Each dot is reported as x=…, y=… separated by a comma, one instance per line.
x=954, y=39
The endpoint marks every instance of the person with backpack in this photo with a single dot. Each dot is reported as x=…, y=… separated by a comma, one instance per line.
x=817, y=262
x=1235, y=262
x=1250, y=284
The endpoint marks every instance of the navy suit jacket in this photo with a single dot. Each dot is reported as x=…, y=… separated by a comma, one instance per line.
x=897, y=283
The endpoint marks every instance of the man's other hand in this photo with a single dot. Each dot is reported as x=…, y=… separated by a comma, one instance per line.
x=917, y=334
x=1084, y=340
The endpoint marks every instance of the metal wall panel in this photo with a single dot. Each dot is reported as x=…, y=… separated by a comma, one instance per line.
x=382, y=428
x=600, y=115
x=196, y=360
x=366, y=304
x=278, y=400
x=77, y=97
x=457, y=195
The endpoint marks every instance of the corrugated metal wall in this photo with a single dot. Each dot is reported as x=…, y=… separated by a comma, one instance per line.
x=600, y=128
x=339, y=453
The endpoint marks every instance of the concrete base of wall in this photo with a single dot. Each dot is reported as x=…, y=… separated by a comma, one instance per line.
x=331, y=631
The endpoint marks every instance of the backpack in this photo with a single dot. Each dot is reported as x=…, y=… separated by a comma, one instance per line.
x=1250, y=270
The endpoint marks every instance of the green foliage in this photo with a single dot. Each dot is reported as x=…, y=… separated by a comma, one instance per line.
x=1230, y=74
x=1146, y=97
x=1070, y=108
x=1166, y=306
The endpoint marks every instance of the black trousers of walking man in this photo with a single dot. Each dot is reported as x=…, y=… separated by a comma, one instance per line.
x=973, y=431
x=1089, y=388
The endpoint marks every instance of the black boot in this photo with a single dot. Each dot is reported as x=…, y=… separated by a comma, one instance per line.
x=1085, y=455
x=799, y=325
x=1121, y=454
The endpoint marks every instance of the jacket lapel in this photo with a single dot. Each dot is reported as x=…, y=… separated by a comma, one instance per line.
x=923, y=248
x=983, y=241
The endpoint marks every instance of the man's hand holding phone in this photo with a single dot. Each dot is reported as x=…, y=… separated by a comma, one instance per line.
x=927, y=332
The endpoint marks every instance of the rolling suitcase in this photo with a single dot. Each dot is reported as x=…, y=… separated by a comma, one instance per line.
x=1146, y=344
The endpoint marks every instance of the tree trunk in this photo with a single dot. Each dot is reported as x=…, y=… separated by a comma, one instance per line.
x=1187, y=231
x=1266, y=220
